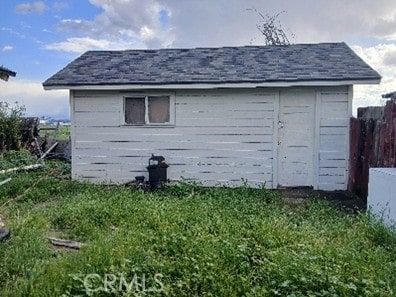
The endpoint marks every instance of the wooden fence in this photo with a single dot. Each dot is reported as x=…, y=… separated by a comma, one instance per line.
x=372, y=144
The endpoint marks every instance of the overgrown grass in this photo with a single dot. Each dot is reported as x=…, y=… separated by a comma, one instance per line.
x=186, y=241
x=13, y=159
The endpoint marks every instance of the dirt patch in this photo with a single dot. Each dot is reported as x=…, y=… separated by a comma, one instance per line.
x=343, y=199
x=295, y=197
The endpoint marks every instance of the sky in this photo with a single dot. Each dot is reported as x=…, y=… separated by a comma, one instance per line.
x=38, y=38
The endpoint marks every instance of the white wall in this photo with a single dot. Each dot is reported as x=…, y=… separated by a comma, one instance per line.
x=381, y=199
x=334, y=107
x=219, y=136
x=296, y=127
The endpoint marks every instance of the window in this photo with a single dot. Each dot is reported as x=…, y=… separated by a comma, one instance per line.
x=135, y=110
x=146, y=110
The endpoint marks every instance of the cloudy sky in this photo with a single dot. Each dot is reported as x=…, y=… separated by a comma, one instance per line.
x=38, y=38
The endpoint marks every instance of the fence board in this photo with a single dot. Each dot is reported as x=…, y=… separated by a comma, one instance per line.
x=372, y=144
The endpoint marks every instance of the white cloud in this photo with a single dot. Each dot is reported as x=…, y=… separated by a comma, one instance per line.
x=385, y=27
x=390, y=58
x=37, y=101
x=76, y=26
x=377, y=57
x=130, y=15
x=60, y=6
x=228, y=22
x=7, y=48
x=28, y=8
x=124, y=24
x=83, y=44
x=146, y=32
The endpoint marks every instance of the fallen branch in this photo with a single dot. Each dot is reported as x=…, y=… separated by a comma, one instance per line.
x=27, y=167
x=38, y=147
x=66, y=243
x=5, y=181
x=48, y=151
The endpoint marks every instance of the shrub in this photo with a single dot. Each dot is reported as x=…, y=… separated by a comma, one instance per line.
x=10, y=125
x=13, y=158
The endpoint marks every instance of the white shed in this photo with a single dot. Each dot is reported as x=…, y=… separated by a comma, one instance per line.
x=277, y=115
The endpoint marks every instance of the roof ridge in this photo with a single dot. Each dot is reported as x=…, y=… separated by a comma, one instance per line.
x=219, y=47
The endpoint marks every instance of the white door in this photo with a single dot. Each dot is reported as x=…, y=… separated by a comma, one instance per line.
x=296, y=138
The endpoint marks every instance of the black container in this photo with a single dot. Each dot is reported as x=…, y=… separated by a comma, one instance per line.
x=157, y=169
x=4, y=234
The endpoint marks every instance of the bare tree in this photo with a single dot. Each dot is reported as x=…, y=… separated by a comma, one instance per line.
x=271, y=28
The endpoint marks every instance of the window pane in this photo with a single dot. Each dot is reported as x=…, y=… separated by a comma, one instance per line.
x=158, y=107
x=135, y=110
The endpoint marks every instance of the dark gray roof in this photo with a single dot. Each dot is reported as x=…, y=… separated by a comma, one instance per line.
x=389, y=95
x=253, y=64
x=5, y=70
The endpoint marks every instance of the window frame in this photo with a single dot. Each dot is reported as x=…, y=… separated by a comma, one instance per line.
x=171, y=97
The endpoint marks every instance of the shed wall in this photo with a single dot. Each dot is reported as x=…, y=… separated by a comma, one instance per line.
x=220, y=136
x=334, y=111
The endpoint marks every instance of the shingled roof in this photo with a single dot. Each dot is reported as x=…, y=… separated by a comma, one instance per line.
x=5, y=73
x=391, y=95
x=248, y=64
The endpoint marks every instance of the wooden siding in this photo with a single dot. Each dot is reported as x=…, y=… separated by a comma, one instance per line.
x=296, y=138
x=334, y=113
x=219, y=137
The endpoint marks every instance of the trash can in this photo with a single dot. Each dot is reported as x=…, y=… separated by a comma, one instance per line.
x=157, y=170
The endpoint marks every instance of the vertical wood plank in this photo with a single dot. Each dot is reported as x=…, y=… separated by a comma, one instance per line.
x=73, y=133
x=275, y=142
x=335, y=113
x=317, y=139
x=350, y=99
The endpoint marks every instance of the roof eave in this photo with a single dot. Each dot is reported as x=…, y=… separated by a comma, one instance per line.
x=8, y=72
x=389, y=95
x=247, y=85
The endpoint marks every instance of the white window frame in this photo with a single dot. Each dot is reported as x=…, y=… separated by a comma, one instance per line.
x=146, y=115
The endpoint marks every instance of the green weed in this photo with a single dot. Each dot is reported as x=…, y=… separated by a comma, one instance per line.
x=201, y=241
